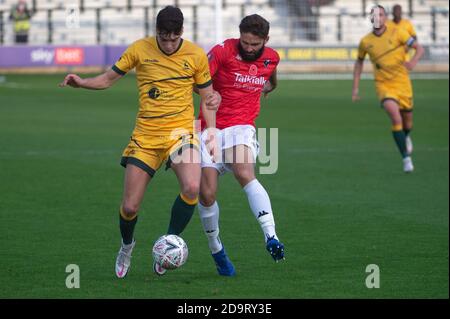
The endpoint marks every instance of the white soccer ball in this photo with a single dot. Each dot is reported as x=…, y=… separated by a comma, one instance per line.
x=170, y=251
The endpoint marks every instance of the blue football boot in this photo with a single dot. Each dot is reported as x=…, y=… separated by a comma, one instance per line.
x=223, y=263
x=275, y=248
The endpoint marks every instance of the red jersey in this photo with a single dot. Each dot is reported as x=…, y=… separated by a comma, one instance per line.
x=239, y=83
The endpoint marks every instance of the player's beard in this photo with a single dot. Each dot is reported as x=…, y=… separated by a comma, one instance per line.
x=250, y=57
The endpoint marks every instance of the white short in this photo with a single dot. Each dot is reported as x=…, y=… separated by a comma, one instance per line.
x=227, y=138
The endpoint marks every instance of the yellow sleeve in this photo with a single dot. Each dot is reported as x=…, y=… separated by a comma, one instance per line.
x=202, y=75
x=411, y=30
x=361, y=51
x=405, y=38
x=127, y=61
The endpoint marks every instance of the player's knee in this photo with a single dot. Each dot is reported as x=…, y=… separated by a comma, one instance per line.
x=244, y=176
x=207, y=198
x=191, y=189
x=129, y=210
x=407, y=126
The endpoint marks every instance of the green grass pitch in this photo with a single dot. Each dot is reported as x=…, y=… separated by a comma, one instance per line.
x=340, y=198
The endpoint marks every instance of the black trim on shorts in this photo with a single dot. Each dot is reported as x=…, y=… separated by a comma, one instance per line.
x=179, y=150
x=406, y=111
x=137, y=162
x=117, y=70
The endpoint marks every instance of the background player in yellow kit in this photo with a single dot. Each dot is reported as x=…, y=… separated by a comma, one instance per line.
x=167, y=68
x=385, y=47
x=406, y=25
x=399, y=22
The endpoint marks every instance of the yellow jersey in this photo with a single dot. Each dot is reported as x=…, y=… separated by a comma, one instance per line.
x=387, y=54
x=165, y=84
x=407, y=26
x=404, y=24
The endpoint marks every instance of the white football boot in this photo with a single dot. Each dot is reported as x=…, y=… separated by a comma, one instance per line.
x=408, y=166
x=409, y=145
x=123, y=261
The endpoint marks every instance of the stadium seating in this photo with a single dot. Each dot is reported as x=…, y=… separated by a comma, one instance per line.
x=119, y=25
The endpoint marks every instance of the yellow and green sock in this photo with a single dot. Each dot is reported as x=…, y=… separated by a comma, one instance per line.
x=182, y=211
x=126, y=225
x=400, y=139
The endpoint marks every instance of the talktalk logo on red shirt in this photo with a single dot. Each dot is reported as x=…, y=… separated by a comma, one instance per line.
x=249, y=79
x=69, y=56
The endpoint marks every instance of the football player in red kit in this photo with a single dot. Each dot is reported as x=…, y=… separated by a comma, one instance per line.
x=242, y=69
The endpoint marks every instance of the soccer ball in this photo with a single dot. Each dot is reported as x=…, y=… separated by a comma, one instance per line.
x=170, y=251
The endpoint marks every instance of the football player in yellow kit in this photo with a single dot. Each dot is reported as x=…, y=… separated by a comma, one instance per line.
x=385, y=47
x=399, y=22
x=167, y=68
x=404, y=24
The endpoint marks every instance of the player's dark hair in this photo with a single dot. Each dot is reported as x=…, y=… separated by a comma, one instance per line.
x=256, y=25
x=170, y=20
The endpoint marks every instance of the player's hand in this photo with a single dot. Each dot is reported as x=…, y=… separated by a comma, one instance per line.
x=267, y=89
x=212, y=144
x=410, y=65
x=355, y=95
x=213, y=101
x=72, y=80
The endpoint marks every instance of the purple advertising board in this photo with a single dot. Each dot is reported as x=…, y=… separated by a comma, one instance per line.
x=113, y=53
x=41, y=56
x=104, y=55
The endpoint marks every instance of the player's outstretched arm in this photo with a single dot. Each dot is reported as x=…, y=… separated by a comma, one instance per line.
x=357, y=70
x=417, y=56
x=99, y=82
